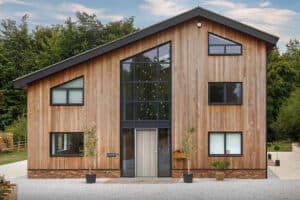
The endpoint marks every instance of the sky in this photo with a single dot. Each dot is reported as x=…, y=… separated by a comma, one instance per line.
x=278, y=17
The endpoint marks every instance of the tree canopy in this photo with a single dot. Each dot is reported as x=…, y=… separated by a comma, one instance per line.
x=23, y=51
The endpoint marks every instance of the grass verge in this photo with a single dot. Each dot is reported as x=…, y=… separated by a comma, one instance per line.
x=12, y=156
x=285, y=146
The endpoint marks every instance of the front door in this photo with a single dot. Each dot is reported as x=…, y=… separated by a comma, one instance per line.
x=146, y=152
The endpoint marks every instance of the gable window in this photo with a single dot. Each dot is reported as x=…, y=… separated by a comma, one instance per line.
x=225, y=143
x=66, y=144
x=146, y=85
x=229, y=93
x=218, y=45
x=69, y=93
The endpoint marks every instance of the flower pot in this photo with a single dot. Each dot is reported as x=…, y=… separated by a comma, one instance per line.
x=277, y=162
x=220, y=175
x=178, y=155
x=90, y=178
x=269, y=156
x=187, y=178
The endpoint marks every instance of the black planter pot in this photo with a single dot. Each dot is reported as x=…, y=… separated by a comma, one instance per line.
x=277, y=162
x=90, y=178
x=269, y=156
x=187, y=178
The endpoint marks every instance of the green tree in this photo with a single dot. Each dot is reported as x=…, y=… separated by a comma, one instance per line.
x=288, y=120
x=281, y=77
x=23, y=51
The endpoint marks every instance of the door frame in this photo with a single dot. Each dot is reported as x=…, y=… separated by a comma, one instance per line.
x=156, y=146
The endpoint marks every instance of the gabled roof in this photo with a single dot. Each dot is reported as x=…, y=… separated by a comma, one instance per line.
x=271, y=40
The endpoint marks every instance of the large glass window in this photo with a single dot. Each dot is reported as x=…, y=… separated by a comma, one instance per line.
x=218, y=45
x=225, y=143
x=70, y=93
x=146, y=85
x=66, y=144
x=225, y=93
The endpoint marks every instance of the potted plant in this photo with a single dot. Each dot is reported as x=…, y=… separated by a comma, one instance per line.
x=220, y=166
x=277, y=161
x=90, y=144
x=188, y=149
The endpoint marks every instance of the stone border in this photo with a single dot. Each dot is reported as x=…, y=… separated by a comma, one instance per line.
x=72, y=173
x=229, y=173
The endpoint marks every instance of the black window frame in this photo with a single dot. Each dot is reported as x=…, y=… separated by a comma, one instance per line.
x=67, y=90
x=157, y=62
x=223, y=45
x=225, y=154
x=225, y=102
x=65, y=155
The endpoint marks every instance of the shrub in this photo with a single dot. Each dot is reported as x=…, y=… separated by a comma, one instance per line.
x=18, y=128
x=220, y=164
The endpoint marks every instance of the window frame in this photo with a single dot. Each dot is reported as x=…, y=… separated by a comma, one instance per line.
x=134, y=101
x=225, y=154
x=225, y=94
x=223, y=45
x=67, y=91
x=65, y=155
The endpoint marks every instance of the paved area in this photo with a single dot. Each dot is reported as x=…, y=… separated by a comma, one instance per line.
x=13, y=170
x=289, y=168
x=284, y=183
x=231, y=189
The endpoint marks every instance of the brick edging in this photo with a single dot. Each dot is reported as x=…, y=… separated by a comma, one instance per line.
x=229, y=173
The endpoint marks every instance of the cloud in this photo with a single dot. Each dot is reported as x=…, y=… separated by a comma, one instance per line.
x=277, y=21
x=65, y=9
x=13, y=2
x=164, y=7
x=265, y=4
x=20, y=14
x=225, y=4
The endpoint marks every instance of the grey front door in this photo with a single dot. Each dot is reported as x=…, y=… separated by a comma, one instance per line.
x=146, y=152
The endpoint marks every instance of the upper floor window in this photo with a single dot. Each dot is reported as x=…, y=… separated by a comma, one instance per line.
x=69, y=93
x=218, y=45
x=146, y=85
x=225, y=93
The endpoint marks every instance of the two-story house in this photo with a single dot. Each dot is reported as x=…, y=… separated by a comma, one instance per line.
x=198, y=69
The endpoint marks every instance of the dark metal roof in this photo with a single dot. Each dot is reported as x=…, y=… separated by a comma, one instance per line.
x=271, y=40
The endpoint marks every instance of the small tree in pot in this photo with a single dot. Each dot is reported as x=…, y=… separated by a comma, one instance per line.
x=188, y=149
x=220, y=166
x=90, y=145
x=277, y=161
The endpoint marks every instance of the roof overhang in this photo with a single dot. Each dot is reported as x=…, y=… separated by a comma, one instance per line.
x=271, y=41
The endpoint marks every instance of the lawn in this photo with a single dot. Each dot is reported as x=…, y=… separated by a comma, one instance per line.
x=285, y=146
x=12, y=156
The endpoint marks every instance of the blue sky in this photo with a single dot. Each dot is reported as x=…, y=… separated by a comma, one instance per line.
x=279, y=17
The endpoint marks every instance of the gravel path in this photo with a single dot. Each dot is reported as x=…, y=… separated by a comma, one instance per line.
x=272, y=188
x=13, y=170
x=289, y=164
x=231, y=189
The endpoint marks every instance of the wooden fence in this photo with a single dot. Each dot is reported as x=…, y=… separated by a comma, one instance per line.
x=17, y=146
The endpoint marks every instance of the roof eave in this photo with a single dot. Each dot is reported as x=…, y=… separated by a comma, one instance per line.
x=23, y=81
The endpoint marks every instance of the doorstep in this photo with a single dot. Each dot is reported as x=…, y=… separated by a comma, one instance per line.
x=142, y=180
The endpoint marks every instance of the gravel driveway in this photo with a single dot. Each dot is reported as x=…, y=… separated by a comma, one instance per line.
x=71, y=189
x=231, y=189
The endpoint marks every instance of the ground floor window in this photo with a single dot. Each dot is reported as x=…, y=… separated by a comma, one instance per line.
x=225, y=143
x=66, y=144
